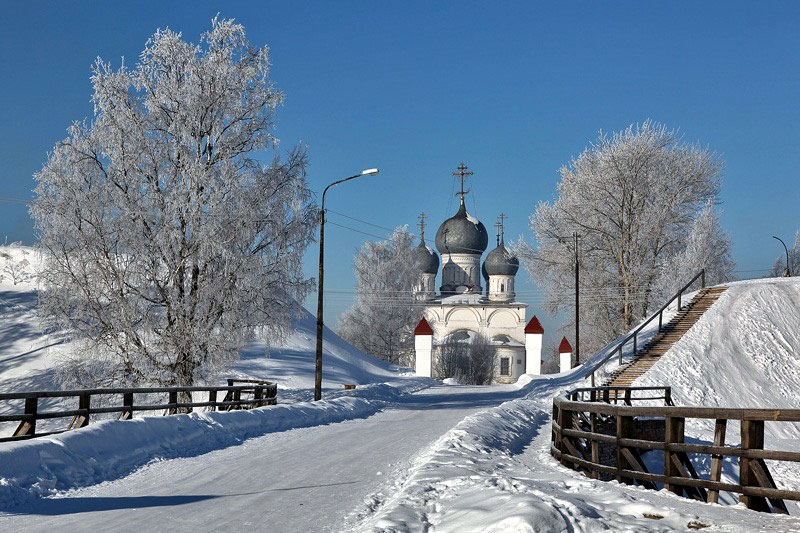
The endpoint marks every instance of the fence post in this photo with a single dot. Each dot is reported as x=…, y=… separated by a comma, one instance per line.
x=660, y=319
x=752, y=439
x=674, y=433
x=127, y=402
x=28, y=426
x=620, y=354
x=635, y=333
x=679, y=301
x=172, y=408
x=212, y=398
x=257, y=395
x=595, y=444
x=81, y=420
x=703, y=279
x=625, y=430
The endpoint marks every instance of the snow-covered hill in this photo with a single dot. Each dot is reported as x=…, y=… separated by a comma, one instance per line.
x=28, y=355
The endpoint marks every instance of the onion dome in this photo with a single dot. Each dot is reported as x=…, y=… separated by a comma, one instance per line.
x=500, y=262
x=425, y=259
x=483, y=271
x=462, y=234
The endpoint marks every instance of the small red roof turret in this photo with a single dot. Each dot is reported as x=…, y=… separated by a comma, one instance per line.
x=423, y=328
x=565, y=346
x=534, y=326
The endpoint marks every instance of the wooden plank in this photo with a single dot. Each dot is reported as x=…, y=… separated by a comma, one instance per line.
x=635, y=461
x=717, y=459
x=764, y=478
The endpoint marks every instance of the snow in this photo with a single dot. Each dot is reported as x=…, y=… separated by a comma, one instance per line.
x=397, y=453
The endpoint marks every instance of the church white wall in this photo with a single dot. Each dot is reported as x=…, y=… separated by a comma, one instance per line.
x=461, y=270
x=488, y=320
x=565, y=361
x=501, y=288
x=423, y=347
x=533, y=353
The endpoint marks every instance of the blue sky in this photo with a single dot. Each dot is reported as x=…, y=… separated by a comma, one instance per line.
x=514, y=89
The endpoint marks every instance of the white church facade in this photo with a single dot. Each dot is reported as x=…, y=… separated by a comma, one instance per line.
x=462, y=307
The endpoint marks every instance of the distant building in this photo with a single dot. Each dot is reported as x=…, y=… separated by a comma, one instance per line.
x=462, y=308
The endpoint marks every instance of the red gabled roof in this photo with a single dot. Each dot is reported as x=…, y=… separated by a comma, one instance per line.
x=565, y=346
x=534, y=326
x=423, y=328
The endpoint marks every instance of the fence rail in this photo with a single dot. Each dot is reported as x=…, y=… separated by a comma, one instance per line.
x=634, y=336
x=255, y=393
x=600, y=432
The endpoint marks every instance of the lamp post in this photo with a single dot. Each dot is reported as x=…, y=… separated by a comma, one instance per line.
x=318, y=372
x=787, y=271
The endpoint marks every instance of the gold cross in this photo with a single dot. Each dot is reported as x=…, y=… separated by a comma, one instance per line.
x=422, y=217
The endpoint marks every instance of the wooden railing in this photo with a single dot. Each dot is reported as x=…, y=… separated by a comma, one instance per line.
x=634, y=336
x=606, y=440
x=254, y=394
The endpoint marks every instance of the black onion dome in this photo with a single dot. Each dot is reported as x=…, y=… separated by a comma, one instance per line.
x=462, y=234
x=500, y=262
x=483, y=271
x=425, y=259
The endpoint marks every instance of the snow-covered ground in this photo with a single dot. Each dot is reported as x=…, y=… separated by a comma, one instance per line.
x=396, y=454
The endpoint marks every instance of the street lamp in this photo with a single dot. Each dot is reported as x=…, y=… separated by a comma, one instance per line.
x=318, y=373
x=787, y=272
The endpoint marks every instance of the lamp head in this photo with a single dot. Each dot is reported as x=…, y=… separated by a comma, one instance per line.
x=370, y=171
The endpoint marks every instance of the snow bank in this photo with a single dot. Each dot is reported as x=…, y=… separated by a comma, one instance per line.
x=112, y=449
x=483, y=476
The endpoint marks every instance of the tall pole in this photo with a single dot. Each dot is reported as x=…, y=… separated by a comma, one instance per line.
x=321, y=283
x=787, y=271
x=577, y=307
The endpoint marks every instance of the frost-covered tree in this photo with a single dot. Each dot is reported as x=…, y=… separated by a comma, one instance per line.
x=779, y=266
x=707, y=247
x=468, y=357
x=382, y=319
x=632, y=197
x=167, y=242
x=14, y=264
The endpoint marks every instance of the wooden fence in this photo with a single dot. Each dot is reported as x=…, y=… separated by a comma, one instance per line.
x=602, y=433
x=253, y=394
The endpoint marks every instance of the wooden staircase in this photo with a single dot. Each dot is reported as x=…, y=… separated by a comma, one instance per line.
x=663, y=341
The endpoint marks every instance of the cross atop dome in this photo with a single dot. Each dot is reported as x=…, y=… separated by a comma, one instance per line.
x=463, y=173
x=501, y=227
x=422, y=216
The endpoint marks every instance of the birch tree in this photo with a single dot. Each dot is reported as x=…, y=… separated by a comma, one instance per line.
x=632, y=197
x=707, y=247
x=167, y=241
x=382, y=319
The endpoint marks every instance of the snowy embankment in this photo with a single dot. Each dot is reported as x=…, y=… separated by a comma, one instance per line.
x=109, y=449
x=494, y=471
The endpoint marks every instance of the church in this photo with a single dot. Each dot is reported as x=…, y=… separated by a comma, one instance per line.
x=462, y=308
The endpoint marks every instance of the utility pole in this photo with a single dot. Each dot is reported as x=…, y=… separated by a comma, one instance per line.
x=321, y=283
x=577, y=349
x=577, y=306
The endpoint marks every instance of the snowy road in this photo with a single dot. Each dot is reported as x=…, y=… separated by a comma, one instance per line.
x=309, y=479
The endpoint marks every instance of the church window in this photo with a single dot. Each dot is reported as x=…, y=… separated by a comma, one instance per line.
x=502, y=287
x=505, y=366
